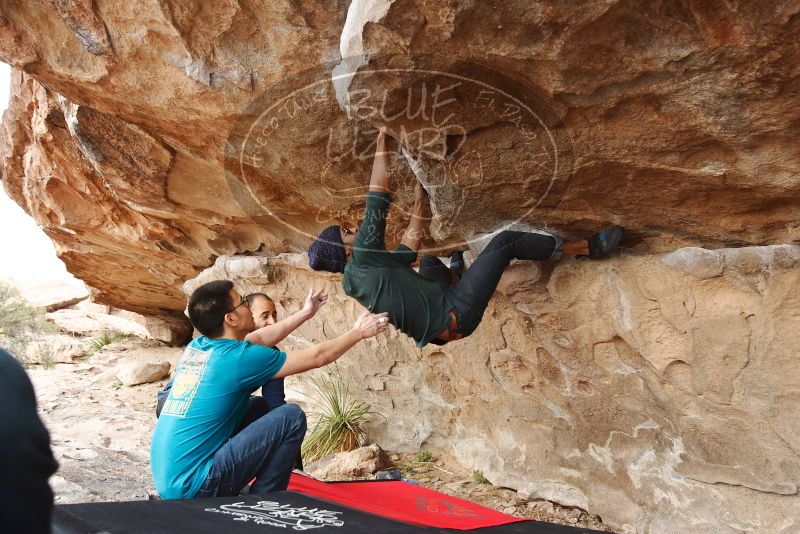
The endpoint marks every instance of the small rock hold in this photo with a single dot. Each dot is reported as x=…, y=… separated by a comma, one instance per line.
x=357, y=463
x=132, y=374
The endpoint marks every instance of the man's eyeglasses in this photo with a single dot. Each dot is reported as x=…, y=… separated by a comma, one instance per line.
x=244, y=302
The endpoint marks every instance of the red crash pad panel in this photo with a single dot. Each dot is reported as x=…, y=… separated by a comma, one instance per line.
x=401, y=501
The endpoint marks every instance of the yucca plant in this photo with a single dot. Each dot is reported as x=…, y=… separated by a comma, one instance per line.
x=107, y=338
x=338, y=423
x=98, y=342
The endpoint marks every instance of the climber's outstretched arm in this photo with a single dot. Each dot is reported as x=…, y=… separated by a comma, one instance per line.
x=379, y=181
x=419, y=220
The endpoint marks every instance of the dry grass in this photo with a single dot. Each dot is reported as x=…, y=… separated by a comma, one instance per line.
x=23, y=328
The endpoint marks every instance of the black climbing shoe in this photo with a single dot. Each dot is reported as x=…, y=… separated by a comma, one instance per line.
x=600, y=244
x=457, y=263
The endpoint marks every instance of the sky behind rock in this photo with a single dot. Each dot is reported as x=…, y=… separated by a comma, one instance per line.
x=28, y=256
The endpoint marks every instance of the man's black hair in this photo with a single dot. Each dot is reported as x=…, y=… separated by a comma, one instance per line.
x=208, y=305
x=253, y=296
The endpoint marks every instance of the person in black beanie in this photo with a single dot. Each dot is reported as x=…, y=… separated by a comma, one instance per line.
x=26, y=461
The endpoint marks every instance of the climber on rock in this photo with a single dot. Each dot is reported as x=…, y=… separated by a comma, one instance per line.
x=438, y=304
x=202, y=446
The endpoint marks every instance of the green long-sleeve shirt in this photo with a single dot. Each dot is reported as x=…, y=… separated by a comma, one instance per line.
x=383, y=281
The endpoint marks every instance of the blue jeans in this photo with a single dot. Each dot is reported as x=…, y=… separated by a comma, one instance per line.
x=470, y=296
x=265, y=449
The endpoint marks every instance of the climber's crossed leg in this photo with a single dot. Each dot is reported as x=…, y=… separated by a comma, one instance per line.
x=470, y=295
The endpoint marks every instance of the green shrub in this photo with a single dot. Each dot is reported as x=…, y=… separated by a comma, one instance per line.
x=478, y=477
x=22, y=326
x=339, y=423
x=423, y=456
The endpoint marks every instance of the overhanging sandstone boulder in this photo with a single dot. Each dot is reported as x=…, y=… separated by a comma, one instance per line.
x=652, y=389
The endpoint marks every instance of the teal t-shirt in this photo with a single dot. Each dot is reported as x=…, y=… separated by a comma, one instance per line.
x=208, y=399
x=383, y=281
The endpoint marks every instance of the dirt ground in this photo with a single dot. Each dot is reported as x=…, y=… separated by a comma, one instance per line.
x=100, y=432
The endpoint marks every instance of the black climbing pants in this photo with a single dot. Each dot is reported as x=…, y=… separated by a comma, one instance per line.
x=472, y=293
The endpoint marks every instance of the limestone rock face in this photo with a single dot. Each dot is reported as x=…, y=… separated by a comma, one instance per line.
x=55, y=295
x=154, y=139
x=88, y=319
x=60, y=349
x=650, y=389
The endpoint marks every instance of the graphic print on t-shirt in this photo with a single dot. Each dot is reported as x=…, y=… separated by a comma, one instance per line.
x=187, y=377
